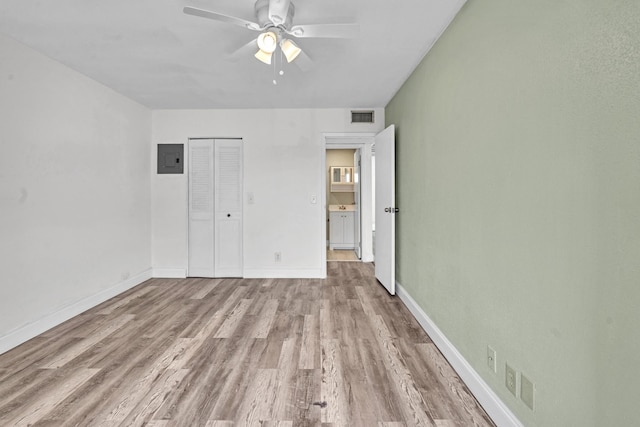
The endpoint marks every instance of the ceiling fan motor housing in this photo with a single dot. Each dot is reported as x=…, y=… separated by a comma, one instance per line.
x=262, y=14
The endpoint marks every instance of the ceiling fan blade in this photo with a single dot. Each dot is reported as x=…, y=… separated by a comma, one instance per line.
x=222, y=18
x=278, y=10
x=303, y=62
x=340, y=31
x=245, y=50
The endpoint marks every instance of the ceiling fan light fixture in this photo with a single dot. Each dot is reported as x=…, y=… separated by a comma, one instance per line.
x=264, y=56
x=268, y=41
x=290, y=49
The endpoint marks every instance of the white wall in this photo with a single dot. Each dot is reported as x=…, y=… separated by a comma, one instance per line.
x=283, y=156
x=74, y=193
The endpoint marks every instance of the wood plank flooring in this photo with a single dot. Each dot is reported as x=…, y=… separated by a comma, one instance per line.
x=238, y=352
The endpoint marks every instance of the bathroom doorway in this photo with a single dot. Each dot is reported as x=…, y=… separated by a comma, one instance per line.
x=343, y=204
x=352, y=196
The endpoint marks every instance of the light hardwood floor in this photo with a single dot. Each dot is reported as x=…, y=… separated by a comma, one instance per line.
x=341, y=255
x=239, y=352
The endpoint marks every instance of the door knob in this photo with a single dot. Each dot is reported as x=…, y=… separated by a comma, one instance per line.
x=228, y=215
x=386, y=209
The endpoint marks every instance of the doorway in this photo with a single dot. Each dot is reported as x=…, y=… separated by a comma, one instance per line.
x=359, y=199
x=343, y=204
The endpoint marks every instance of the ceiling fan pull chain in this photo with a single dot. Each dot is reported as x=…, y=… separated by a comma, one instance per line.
x=281, y=63
x=275, y=60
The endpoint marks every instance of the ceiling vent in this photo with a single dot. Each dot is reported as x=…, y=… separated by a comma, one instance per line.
x=362, y=116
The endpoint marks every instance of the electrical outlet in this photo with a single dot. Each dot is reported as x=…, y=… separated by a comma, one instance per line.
x=491, y=359
x=527, y=391
x=277, y=256
x=511, y=378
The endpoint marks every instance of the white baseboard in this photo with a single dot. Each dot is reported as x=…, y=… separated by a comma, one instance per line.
x=497, y=410
x=170, y=273
x=35, y=328
x=249, y=273
x=263, y=273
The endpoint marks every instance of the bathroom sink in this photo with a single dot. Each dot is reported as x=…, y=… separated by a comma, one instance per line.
x=342, y=208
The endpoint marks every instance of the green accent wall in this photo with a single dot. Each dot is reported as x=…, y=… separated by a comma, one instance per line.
x=518, y=182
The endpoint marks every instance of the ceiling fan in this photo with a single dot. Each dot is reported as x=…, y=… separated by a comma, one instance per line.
x=275, y=22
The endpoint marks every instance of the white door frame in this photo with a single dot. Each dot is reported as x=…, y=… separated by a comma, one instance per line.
x=363, y=141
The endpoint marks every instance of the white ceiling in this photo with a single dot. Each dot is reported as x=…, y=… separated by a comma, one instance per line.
x=151, y=52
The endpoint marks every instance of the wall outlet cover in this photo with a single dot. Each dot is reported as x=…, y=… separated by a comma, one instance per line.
x=511, y=379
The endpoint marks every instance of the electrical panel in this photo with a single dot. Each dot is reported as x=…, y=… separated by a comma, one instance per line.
x=170, y=158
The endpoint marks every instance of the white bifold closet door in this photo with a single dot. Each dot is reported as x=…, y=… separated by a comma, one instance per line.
x=215, y=208
x=228, y=208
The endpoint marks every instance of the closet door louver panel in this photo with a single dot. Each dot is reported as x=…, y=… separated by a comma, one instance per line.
x=228, y=207
x=201, y=208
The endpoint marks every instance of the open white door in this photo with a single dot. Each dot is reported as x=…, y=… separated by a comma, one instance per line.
x=356, y=198
x=385, y=209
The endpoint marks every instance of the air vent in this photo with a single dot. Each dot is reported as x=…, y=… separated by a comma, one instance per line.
x=362, y=116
